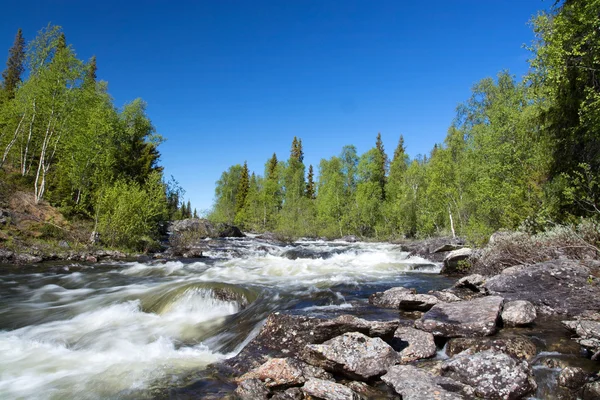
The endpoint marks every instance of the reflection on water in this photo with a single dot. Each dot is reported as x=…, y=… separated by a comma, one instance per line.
x=121, y=330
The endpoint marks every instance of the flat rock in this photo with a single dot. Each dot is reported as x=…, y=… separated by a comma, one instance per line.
x=413, y=383
x=350, y=323
x=448, y=247
x=352, y=354
x=445, y=296
x=589, y=334
x=285, y=372
x=471, y=318
x=472, y=282
x=518, y=346
x=518, y=313
x=554, y=287
x=493, y=374
x=403, y=299
x=328, y=390
x=420, y=344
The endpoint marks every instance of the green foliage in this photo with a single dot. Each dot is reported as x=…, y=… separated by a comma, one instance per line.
x=130, y=214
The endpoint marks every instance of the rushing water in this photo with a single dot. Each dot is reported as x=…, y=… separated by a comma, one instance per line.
x=122, y=330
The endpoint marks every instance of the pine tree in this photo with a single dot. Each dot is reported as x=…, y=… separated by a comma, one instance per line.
x=310, y=185
x=297, y=153
x=382, y=162
x=272, y=167
x=14, y=66
x=243, y=186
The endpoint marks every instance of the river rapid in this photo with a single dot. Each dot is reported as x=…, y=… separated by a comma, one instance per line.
x=140, y=329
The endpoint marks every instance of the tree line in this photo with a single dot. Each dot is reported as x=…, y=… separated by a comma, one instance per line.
x=62, y=137
x=519, y=154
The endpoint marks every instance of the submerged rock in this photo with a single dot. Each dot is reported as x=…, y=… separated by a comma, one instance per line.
x=517, y=346
x=518, y=313
x=403, y=299
x=572, y=377
x=285, y=372
x=328, y=390
x=463, y=318
x=413, y=383
x=555, y=287
x=493, y=375
x=420, y=344
x=352, y=354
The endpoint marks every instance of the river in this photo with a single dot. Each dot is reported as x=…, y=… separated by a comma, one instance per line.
x=134, y=329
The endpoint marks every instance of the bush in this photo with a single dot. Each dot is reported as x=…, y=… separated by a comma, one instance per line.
x=131, y=215
x=575, y=242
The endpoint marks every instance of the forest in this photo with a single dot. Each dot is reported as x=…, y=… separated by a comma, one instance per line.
x=519, y=154
x=63, y=139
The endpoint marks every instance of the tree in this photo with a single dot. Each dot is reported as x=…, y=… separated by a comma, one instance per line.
x=15, y=66
x=224, y=208
x=310, y=185
x=381, y=160
x=242, y=191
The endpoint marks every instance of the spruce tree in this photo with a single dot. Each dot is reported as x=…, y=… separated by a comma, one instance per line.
x=382, y=161
x=310, y=185
x=90, y=74
x=272, y=167
x=14, y=66
x=188, y=210
x=243, y=186
x=195, y=213
x=297, y=153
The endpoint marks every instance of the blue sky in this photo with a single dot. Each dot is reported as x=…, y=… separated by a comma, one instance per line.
x=228, y=81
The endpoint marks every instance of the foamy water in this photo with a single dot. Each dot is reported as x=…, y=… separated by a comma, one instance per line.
x=123, y=330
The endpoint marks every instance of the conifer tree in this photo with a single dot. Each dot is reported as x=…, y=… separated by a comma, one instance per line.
x=188, y=210
x=14, y=66
x=243, y=186
x=90, y=75
x=195, y=213
x=297, y=153
x=382, y=162
x=272, y=167
x=310, y=184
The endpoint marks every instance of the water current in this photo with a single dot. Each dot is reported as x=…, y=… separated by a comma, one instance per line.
x=134, y=329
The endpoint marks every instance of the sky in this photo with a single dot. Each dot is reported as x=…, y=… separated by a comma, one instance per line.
x=228, y=81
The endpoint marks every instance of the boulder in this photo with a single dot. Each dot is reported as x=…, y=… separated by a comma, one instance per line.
x=589, y=334
x=472, y=282
x=445, y=296
x=420, y=344
x=591, y=391
x=493, y=374
x=413, y=383
x=572, y=377
x=328, y=390
x=349, y=323
x=471, y=318
x=285, y=372
x=289, y=394
x=427, y=248
x=554, y=287
x=454, y=261
x=448, y=247
x=518, y=346
x=403, y=299
x=352, y=354
x=252, y=389
x=518, y=313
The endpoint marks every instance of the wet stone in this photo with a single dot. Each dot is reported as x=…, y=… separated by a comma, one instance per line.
x=518, y=313
x=420, y=344
x=413, y=383
x=329, y=390
x=252, y=389
x=285, y=372
x=517, y=346
x=403, y=299
x=572, y=377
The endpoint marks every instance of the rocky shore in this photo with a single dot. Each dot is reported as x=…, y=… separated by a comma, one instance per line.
x=475, y=340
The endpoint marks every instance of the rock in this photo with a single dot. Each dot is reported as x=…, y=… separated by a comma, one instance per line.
x=426, y=248
x=6, y=256
x=517, y=346
x=350, y=323
x=591, y=391
x=559, y=287
x=413, y=383
x=448, y=247
x=588, y=332
x=445, y=296
x=252, y=389
x=403, y=299
x=289, y=394
x=22, y=258
x=454, y=262
x=194, y=252
x=226, y=230
x=472, y=282
x=63, y=244
x=352, y=354
x=328, y=390
x=462, y=318
x=4, y=217
x=285, y=372
x=91, y=259
x=518, y=313
x=349, y=239
x=572, y=377
x=493, y=375
x=420, y=344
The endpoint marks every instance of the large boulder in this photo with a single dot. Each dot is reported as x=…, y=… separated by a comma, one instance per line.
x=420, y=344
x=352, y=354
x=518, y=346
x=477, y=317
x=493, y=374
x=518, y=313
x=328, y=390
x=413, y=383
x=457, y=262
x=554, y=287
x=285, y=372
x=405, y=299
